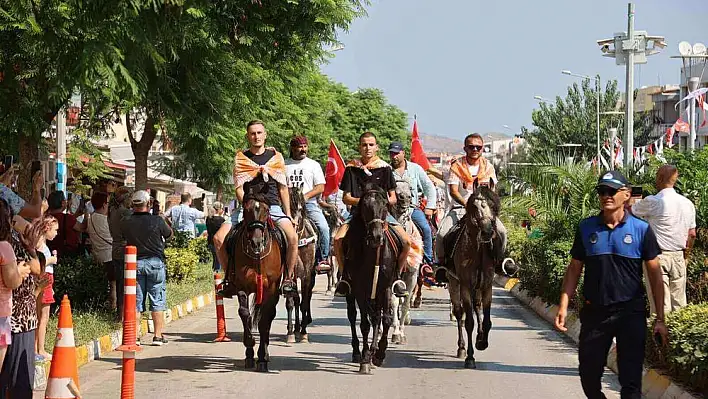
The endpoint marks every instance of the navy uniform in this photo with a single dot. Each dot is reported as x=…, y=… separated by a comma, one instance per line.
x=614, y=297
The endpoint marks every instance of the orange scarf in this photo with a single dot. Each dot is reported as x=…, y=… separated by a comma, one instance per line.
x=246, y=170
x=374, y=163
x=461, y=168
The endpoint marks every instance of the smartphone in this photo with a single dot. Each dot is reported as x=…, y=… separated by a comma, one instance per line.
x=658, y=340
x=9, y=160
x=36, y=166
x=637, y=191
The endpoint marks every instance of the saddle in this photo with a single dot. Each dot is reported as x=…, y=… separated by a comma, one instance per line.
x=450, y=241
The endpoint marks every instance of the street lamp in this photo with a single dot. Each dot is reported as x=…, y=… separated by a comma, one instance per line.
x=542, y=99
x=629, y=48
x=597, y=103
x=692, y=56
x=336, y=47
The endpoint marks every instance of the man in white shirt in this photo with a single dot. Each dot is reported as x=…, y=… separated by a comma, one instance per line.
x=306, y=174
x=673, y=219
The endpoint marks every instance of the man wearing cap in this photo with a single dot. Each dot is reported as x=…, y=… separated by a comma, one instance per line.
x=420, y=186
x=612, y=247
x=306, y=174
x=148, y=233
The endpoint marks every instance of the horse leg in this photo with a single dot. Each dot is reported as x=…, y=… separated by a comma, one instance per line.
x=298, y=307
x=405, y=318
x=468, y=305
x=351, y=315
x=486, y=325
x=248, y=341
x=365, y=325
x=290, y=306
x=417, y=294
x=386, y=319
x=396, y=305
x=266, y=320
x=457, y=311
x=307, y=286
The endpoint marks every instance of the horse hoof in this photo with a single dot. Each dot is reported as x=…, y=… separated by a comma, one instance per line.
x=481, y=345
x=249, y=364
x=416, y=303
x=290, y=339
x=262, y=367
x=304, y=339
x=376, y=361
x=403, y=340
x=395, y=339
x=407, y=320
x=356, y=358
x=329, y=292
x=365, y=368
x=452, y=317
x=470, y=363
x=461, y=353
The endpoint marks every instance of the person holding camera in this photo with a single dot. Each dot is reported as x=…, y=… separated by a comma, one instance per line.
x=673, y=218
x=611, y=247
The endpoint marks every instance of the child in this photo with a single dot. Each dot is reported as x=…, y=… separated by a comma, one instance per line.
x=11, y=275
x=41, y=231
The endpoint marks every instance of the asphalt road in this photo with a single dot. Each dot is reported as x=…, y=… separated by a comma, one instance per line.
x=526, y=359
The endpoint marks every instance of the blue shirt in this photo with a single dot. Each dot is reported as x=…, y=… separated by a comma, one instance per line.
x=15, y=201
x=183, y=218
x=613, y=258
x=420, y=184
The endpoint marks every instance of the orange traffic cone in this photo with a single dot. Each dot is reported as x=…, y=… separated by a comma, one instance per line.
x=63, y=382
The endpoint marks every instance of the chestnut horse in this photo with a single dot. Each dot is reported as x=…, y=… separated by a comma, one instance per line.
x=304, y=270
x=256, y=267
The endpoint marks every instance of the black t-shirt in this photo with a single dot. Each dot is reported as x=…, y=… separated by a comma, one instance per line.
x=270, y=188
x=613, y=259
x=213, y=224
x=147, y=232
x=355, y=179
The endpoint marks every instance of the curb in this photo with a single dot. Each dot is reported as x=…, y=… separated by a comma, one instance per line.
x=654, y=384
x=95, y=349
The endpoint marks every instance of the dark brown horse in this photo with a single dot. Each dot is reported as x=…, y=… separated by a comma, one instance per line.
x=255, y=268
x=304, y=270
x=371, y=262
x=471, y=280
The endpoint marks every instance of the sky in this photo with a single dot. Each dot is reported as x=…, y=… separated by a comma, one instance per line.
x=467, y=66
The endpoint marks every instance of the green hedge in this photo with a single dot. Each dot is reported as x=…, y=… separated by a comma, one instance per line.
x=83, y=280
x=181, y=264
x=200, y=247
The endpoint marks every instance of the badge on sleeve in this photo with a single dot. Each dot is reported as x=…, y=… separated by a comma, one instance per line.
x=593, y=238
x=628, y=239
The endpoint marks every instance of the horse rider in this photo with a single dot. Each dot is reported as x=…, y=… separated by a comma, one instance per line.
x=262, y=169
x=466, y=174
x=369, y=169
x=306, y=174
x=420, y=186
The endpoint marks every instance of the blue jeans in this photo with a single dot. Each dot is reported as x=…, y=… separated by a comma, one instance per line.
x=152, y=282
x=314, y=212
x=421, y=221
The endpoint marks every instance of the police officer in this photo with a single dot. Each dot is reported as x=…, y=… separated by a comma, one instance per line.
x=612, y=246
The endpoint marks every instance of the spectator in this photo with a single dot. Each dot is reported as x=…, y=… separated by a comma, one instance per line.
x=102, y=242
x=68, y=239
x=119, y=208
x=213, y=224
x=17, y=376
x=147, y=232
x=673, y=219
x=155, y=209
x=18, y=205
x=11, y=274
x=41, y=231
x=183, y=217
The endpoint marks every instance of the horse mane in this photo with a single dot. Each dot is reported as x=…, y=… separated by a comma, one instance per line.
x=297, y=202
x=490, y=196
x=255, y=196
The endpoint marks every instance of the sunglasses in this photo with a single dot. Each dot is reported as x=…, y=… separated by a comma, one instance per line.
x=604, y=191
x=474, y=147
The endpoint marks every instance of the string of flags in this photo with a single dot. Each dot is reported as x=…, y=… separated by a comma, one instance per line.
x=639, y=155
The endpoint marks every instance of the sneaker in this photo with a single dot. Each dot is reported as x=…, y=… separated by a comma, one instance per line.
x=159, y=341
x=323, y=267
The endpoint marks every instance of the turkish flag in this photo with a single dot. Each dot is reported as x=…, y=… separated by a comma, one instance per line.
x=334, y=171
x=417, y=154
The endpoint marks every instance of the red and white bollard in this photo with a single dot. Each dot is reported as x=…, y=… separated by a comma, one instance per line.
x=220, y=316
x=129, y=347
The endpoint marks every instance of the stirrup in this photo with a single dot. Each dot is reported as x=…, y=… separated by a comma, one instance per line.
x=402, y=286
x=340, y=291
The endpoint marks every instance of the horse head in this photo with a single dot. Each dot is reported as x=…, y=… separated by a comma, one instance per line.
x=256, y=215
x=297, y=204
x=482, y=210
x=373, y=209
x=404, y=198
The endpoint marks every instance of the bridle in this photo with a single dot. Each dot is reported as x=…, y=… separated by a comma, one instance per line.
x=247, y=232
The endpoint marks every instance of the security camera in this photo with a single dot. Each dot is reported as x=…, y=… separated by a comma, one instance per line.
x=605, y=48
x=605, y=42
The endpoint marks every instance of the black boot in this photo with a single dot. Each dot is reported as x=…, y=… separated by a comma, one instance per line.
x=343, y=288
x=227, y=290
x=399, y=289
x=441, y=274
x=289, y=286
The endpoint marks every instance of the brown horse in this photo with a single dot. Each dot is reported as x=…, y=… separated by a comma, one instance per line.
x=304, y=270
x=471, y=280
x=334, y=221
x=255, y=267
x=371, y=262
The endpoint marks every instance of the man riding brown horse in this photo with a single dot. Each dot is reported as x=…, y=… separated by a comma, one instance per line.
x=369, y=169
x=261, y=169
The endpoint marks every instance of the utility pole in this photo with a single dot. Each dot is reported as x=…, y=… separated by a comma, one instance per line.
x=692, y=117
x=613, y=136
x=61, y=150
x=629, y=109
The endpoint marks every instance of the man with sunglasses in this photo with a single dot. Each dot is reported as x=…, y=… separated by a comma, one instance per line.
x=466, y=174
x=611, y=247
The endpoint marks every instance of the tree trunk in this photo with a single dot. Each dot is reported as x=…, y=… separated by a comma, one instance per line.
x=141, y=150
x=28, y=150
x=220, y=193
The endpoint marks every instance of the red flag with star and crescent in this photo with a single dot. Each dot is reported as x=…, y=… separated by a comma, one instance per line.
x=334, y=171
x=417, y=153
